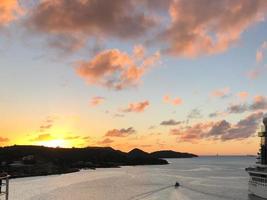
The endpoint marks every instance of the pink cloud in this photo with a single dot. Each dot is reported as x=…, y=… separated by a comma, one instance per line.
x=260, y=52
x=259, y=56
x=174, y=101
x=259, y=104
x=219, y=130
x=97, y=100
x=115, y=69
x=137, y=107
x=255, y=73
x=194, y=132
x=208, y=26
x=221, y=93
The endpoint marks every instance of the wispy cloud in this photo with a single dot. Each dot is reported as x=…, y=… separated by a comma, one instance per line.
x=260, y=52
x=255, y=72
x=194, y=114
x=120, y=132
x=137, y=107
x=72, y=137
x=47, y=124
x=43, y=137
x=170, y=122
x=217, y=114
x=97, y=100
x=259, y=104
x=237, y=108
x=4, y=139
x=105, y=141
x=221, y=93
x=243, y=95
x=260, y=69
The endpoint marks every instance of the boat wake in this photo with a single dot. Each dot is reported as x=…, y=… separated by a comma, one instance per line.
x=211, y=194
x=149, y=193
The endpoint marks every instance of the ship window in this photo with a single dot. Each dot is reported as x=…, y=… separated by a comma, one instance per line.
x=259, y=180
x=258, y=175
x=263, y=140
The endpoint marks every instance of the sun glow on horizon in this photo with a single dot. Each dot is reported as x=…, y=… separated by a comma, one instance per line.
x=55, y=143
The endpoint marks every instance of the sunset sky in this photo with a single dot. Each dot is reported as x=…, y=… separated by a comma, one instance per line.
x=186, y=75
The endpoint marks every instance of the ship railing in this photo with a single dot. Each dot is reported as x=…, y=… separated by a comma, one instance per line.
x=258, y=180
x=4, y=187
x=257, y=169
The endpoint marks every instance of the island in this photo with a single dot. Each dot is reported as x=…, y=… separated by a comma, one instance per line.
x=172, y=154
x=28, y=160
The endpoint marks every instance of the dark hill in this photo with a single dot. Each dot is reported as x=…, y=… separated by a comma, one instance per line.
x=138, y=152
x=21, y=160
x=139, y=157
x=171, y=154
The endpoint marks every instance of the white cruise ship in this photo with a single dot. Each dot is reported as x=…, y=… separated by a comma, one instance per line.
x=258, y=173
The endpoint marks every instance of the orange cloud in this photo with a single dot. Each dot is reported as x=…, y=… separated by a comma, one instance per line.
x=176, y=101
x=221, y=93
x=97, y=101
x=242, y=95
x=9, y=11
x=137, y=107
x=43, y=137
x=120, y=132
x=260, y=103
x=4, y=140
x=115, y=69
x=106, y=141
x=84, y=19
x=208, y=27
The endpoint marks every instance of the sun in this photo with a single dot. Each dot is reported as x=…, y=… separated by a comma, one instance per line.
x=54, y=143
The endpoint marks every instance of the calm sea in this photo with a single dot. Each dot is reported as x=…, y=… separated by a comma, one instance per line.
x=203, y=178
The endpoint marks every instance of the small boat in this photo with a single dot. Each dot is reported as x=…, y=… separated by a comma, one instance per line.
x=177, y=184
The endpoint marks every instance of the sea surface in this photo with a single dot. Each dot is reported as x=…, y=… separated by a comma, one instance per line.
x=203, y=178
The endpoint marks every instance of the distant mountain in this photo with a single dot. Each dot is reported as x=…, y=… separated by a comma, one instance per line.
x=21, y=160
x=171, y=154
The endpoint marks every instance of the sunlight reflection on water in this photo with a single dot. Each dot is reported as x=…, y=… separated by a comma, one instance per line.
x=204, y=178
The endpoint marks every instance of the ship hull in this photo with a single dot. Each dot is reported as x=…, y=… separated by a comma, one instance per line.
x=258, y=189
